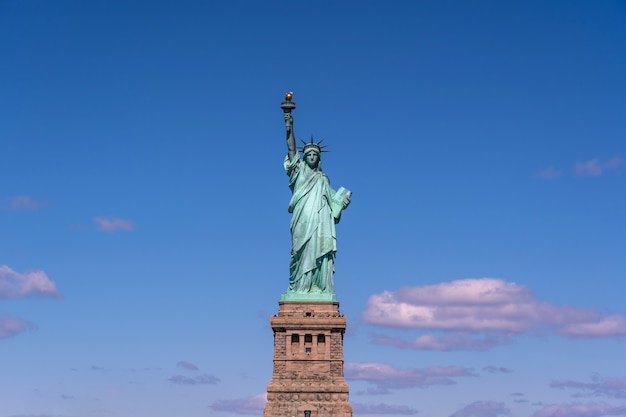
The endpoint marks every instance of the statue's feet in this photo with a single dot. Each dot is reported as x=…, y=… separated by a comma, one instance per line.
x=315, y=290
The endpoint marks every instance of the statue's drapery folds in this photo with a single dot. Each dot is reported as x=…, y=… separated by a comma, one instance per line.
x=314, y=241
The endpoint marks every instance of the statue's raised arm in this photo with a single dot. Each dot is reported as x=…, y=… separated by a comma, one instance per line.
x=287, y=106
x=316, y=209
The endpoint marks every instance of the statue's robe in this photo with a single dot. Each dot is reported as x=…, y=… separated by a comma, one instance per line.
x=314, y=242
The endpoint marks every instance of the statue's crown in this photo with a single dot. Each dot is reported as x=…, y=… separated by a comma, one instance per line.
x=312, y=146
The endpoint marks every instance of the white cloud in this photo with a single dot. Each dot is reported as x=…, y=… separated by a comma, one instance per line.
x=385, y=377
x=491, y=308
x=38, y=415
x=494, y=369
x=590, y=168
x=382, y=408
x=196, y=380
x=483, y=409
x=250, y=405
x=549, y=173
x=601, y=327
x=447, y=342
x=112, y=224
x=19, y=203
x=18, y=285
x=581, y=410
x=187, y=365
x=11, y=326
x=595, y=167
x=599, y=387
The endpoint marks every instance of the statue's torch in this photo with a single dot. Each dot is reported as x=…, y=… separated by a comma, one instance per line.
x=287, y=107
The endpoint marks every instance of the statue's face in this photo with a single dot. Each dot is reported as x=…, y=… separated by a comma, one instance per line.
x=312, y=159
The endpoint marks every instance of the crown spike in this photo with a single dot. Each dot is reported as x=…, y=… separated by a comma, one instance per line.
x=312, y=146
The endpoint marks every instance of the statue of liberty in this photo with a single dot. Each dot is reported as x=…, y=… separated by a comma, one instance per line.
x=315, y=208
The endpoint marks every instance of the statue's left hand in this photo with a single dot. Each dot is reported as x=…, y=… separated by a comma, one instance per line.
x=346, y=202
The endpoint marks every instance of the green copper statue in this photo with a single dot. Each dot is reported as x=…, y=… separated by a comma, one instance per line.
x=316, y=208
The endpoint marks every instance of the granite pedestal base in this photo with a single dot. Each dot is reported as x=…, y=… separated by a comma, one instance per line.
x=308, y=378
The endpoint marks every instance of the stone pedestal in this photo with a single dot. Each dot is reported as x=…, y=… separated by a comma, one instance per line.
x=308, y=376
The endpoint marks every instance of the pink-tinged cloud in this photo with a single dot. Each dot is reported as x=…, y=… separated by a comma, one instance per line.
x=251, y=405
x=494, y=369
x=386, y=377
x=595, y=167
x=614, y=162
x=581, y=410
x=187, y=365
x=196, y=380
x=384, y=409
x=373, y=391
x=19, y=203
x=483, y=409
x=600, y=387
x=599, y=327
x=549, y=173
x=12, y=326
x=18, y=285
x=489, y=306
x=457, y=341
x=38, y=415
x=591, y=168
x=112, y=224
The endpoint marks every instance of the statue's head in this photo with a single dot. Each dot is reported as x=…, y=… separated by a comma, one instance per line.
x=311, y=153
x=312, y=158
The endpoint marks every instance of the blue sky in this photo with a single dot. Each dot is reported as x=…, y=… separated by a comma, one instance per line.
x=144, y=233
